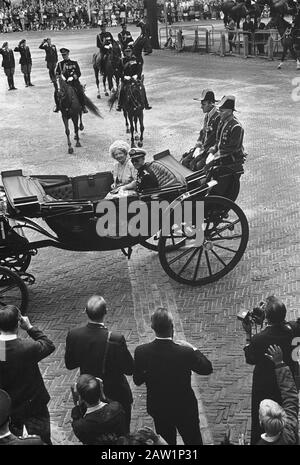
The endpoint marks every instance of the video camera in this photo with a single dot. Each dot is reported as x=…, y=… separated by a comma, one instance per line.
x=256, y=316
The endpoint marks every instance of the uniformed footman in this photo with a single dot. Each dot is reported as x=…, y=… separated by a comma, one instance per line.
x=8, y=64
x=70, y=71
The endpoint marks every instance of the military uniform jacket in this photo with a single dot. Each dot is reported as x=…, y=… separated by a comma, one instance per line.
x=8, y=58
x=130, y=66
x=104, y=38
x=68, y=68
x=146, y=179
x=25, y=58
x=208, y=133
x=125, y=38
x=229, y=140
x=51, y=52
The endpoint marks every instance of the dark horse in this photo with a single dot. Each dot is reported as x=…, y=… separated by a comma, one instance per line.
x=289, y=37
x=71, y=109
x=112, y=68
x=133, y=109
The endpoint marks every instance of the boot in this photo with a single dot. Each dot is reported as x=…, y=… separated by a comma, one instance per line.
x=12, y=83
x=9, y=83
x=84, y=109
x=56, y=109
x=25, y=79
x=29, y=81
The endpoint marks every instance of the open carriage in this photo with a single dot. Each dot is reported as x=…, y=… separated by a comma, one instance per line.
x=80, y=214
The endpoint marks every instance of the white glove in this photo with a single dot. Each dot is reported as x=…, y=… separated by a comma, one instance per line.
x=196, y=152
x=70, y=79
x=210, y=158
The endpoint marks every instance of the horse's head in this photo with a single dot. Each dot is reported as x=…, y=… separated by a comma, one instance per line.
x=133, y=96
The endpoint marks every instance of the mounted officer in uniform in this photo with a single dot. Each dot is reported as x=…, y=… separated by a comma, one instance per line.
x=130, y=71
x=70, y=71
x=104, y=43
x=125, y=38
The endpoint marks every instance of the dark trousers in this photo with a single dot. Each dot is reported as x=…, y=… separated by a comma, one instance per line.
x=10, y=77
x=187, y=425
x=51, y=67
x=36, y=422
x=127, y=410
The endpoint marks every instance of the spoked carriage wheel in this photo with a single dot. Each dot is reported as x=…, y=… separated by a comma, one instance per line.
x=13, y=291
x=226, y=233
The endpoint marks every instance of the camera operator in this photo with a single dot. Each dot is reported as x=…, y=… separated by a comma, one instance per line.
x=277, y=332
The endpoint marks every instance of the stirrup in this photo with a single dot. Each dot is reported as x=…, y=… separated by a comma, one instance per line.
x=56, y=109
x=84, y=110
x=119, y=108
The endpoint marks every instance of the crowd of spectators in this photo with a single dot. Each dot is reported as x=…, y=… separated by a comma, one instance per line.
x=63, y=14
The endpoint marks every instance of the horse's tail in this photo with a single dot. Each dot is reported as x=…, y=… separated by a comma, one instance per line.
x=93, y=109
x=112, y=99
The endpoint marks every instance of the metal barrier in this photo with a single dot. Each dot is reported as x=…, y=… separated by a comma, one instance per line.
x=189, y=38
x=262, y=43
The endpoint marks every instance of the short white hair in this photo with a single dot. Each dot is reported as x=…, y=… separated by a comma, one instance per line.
x=272, y=417
x=118, y=145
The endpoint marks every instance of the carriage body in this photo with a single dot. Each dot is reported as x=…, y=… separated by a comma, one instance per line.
x=66, y=212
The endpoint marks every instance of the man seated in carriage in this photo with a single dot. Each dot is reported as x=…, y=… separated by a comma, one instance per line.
x=195, y=158
x=145, y=178
x=227, y=155
x=130, y=70
x=125, y=37
x=70, y=71
x=105, y=42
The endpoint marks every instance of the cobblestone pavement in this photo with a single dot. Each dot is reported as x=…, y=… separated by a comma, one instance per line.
x=33, y=139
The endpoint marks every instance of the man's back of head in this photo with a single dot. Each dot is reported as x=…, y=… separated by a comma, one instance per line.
x=275, y=310
x=96, y=308
x=162, y=322
x=272, y=417
x=9, y=318
x=89, y=389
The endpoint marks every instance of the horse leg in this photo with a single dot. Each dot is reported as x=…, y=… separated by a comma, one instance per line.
x=135, y=119
x=104, y=85
x=126, y=122
x=76, y=129
x=141, y=120
x=132, y=130
x=96, y=71
x=81, y=127
x=67, y=131
x=284, y=52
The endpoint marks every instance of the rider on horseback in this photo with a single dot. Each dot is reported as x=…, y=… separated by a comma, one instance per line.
x=104, y=43
x=71, y=73
x=125, y=37
x=130, y=71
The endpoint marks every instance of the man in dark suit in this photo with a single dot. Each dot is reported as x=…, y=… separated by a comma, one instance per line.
x=102, y=354
x=277, y=332
x=165, y=366
x=8, y=63
x=20, y=375
x=6, y=436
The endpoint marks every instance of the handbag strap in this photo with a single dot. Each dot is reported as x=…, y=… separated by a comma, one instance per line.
x=105, y=352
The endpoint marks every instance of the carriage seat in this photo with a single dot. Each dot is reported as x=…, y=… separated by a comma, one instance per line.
x=61, y=192
x=164, y=176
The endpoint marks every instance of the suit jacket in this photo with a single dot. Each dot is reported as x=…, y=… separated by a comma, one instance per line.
x=85, y=348
x=101, y=426
x=8, y=60
x=264, y=378
x=166, y=369
x=20, y=375
x=51, y=52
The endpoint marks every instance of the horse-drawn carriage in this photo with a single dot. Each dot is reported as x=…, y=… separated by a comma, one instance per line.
x=67, y=213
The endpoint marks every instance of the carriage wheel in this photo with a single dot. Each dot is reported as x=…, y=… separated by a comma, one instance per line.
x=226, y=233
x=18, y=263
x=13, y=291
